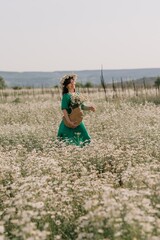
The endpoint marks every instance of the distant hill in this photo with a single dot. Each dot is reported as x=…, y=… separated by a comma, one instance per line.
x=50, y=79
x=149, y=81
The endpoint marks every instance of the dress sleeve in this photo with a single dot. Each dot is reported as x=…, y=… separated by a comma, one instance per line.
x=83, y=106
x=65, y=102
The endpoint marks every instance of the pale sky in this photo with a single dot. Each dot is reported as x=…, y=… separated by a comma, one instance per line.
x=55, y=35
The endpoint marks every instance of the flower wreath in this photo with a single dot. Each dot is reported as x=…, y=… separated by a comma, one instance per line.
x=67, y=76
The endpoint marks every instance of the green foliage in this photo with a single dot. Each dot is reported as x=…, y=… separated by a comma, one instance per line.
x=157, y=82
x=28, y=87
x=86, y=85
x=79, y=85
x=143, y=99
x=2, y=83
x=16, y=100
x=17, y=88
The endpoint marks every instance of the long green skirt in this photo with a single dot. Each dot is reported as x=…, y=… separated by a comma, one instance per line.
x=76, y=136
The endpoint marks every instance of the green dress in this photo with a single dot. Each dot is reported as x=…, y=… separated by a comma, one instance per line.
x=76, y=136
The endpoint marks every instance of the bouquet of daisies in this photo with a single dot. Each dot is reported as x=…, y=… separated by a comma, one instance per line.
x=77, y=99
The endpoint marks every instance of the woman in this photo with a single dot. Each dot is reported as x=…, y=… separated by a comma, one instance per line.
x=74, y=134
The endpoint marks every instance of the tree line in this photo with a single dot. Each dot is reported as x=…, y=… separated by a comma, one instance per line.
x=88, y=84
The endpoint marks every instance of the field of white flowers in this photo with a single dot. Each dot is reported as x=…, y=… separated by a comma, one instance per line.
x=108, y=190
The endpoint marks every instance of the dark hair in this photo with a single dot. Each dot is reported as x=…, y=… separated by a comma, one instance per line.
x=66, y=82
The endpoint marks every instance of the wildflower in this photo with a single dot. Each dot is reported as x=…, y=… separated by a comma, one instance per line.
x=77, y=99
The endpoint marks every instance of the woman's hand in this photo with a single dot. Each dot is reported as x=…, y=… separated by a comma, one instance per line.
x=91, y=108
x=72, y=124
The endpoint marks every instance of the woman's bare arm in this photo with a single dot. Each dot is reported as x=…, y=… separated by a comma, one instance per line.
x=88, y=108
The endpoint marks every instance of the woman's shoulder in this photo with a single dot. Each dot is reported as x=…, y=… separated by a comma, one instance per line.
x=66, y=95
